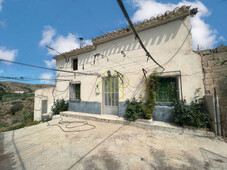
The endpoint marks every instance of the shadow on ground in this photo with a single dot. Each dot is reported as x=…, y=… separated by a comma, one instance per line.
x=7, y=160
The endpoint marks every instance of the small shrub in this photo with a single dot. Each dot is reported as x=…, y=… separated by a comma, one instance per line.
x=32, y=123
x=3, y=124
x=59, y=106
x=15, y=108
x=28, y=116
x=18, y=126
x=14, y=121
x=47, y=119
x=190, y=115
x=134, y=110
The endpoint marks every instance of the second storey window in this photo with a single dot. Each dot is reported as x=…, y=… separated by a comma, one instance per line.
x=75, y=64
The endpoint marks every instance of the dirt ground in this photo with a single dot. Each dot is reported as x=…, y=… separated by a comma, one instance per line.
x=97, y=145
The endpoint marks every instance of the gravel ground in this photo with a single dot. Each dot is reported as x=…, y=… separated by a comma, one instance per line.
x=97, y=145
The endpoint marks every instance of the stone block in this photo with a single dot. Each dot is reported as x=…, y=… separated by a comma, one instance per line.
x=206, y=52
x=207, y=69
x=205, y=64
x=209, y=81
x=212, y=62
x=219, y=70
x=222, y=49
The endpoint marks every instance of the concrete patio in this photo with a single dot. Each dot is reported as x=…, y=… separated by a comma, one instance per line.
x=99, y=145
x=140, y=123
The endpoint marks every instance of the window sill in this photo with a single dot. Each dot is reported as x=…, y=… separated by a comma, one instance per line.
x=75, y=100
x=164, y=103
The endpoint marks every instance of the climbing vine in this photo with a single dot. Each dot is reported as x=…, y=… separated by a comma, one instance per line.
x=150, y=97
x=138, y=109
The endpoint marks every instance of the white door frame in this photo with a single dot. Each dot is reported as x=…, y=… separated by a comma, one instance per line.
x=106, y=109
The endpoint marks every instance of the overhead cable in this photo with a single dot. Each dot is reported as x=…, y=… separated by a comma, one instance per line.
x=136, y=34
x=31, y=79
x=52, y=69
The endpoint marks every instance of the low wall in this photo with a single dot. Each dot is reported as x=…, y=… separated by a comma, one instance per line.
x=215, y=80
x=161, y=112
x=85, y=107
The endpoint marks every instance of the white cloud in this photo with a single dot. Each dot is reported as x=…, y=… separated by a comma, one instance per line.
x=64, y=44
x=1, y=71
x=3, y=24
x=221, y=39
x=87, y=42
x=1, y=1
x=202, y=34
x=59, y=42
x=7, y=54
x=47, y=36
x=47, y=78
x=50, y=63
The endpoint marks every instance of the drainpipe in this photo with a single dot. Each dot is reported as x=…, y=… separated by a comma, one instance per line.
x=217, y=112
x=181, y=86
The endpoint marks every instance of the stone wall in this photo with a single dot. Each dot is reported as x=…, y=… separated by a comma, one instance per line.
x=215, y=78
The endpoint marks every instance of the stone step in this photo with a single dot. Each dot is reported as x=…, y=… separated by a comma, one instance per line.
x=140, y=123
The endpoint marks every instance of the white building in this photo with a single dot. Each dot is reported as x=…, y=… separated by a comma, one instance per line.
x=19, y=92
x=119, y=54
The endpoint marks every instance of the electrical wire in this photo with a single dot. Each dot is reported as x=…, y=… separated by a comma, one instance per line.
x=134, y=31
x=31, y=79
x=52, y=69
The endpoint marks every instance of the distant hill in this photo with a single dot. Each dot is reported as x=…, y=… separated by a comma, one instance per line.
x=10, y=87
x=16, y=109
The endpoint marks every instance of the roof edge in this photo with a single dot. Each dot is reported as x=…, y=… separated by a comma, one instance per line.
x=169, y=16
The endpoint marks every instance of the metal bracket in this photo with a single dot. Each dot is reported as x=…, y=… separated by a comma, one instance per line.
x=144, y=73
x=120, y=75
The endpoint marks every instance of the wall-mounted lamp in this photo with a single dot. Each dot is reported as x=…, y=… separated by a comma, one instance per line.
x=123, y=53
x=66, y=58
x=109, y=73
x=97, y=89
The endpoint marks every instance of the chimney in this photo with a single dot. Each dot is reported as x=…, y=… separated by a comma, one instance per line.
x=81, y=42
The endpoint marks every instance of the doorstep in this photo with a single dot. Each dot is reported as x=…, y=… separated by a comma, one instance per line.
x=47, y=115
x=140, y=123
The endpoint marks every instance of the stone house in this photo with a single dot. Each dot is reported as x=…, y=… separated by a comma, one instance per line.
x=102, y=76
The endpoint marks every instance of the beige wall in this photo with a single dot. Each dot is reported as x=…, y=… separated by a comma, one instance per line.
x=169, y=44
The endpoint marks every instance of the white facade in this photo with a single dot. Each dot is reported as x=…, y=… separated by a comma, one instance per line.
x=45, y=95
x=167, y=39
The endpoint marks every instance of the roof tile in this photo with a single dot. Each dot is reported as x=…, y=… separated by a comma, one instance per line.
x=152, y=22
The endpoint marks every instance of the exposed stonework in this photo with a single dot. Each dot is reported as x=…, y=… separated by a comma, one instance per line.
x=215, y=76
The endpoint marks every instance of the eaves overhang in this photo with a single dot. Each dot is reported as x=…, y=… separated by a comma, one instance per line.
x=169, y=16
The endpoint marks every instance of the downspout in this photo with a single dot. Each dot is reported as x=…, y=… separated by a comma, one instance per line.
x=181, y=89
x=216, y=108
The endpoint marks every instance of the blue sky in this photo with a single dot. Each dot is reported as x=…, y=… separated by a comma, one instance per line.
x=26, y=26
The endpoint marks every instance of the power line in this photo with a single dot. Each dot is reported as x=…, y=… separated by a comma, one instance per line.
x=30, y=79
x=52, y=69
x=134, y=31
